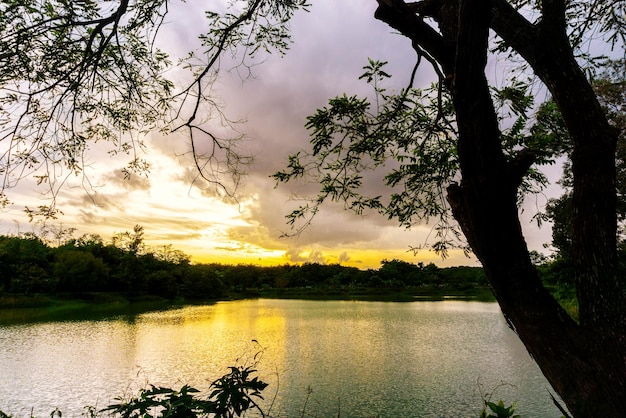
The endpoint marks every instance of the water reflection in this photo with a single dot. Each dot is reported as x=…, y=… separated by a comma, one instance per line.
x=360, y=358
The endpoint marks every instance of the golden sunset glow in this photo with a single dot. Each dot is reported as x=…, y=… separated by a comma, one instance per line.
x=177, y=210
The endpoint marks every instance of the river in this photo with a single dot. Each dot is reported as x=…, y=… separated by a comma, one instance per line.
x=346, y=358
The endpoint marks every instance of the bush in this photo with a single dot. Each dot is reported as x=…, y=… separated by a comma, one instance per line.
x=232, y=395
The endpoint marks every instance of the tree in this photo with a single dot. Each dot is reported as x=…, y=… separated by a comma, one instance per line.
x=24, y=261
x=203, y=281
x=78, y=271
x=398, y=271
x=131, y=242
x=171, y=255
x=610, y=87
x=74, y=72
x=462, y=142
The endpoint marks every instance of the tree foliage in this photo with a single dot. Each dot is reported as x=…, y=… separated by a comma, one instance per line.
x=354, y=134
x=73, y=74
x=409, y=138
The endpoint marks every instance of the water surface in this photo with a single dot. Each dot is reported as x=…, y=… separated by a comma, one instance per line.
x=417, y=359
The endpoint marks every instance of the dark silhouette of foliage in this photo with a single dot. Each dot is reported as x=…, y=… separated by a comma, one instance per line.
x=86, y=265
x=231, y=396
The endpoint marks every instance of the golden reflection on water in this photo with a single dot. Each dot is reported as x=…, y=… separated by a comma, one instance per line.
x=363, y=358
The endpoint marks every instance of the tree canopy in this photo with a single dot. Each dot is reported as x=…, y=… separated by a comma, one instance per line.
x=76, y=73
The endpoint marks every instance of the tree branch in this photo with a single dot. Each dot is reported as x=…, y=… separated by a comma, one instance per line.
x=518, y=33
x=520, y=165
x=479, y=143
x=398, y=15
x=554, y=16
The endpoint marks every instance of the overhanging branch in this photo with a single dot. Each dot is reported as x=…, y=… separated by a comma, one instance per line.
x=403, y=18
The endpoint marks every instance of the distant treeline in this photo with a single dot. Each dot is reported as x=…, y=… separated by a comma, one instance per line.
x=28, y=265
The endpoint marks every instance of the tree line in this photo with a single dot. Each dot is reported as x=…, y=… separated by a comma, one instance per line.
x=30, y=265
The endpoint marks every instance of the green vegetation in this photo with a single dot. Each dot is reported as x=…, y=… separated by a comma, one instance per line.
x=232, y=395
x=498, y=410
x=91, y=276
x=35, y=273
x=84, y=266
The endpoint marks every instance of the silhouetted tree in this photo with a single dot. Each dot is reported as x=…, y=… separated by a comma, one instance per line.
x=78, y=271
x=456, y=158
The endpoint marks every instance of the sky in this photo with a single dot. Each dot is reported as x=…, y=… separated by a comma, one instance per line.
x=330, y=46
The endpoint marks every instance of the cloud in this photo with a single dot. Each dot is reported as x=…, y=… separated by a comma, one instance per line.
x=331, y=45
x=130, y=182
x=298, y=256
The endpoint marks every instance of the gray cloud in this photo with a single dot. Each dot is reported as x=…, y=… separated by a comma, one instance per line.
x=331, y=45
x=326, y=59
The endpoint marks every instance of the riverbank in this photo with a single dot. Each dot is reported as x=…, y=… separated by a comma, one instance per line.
x=100, y=305
x=21, y=309
x=384, y=295
x=37, y=307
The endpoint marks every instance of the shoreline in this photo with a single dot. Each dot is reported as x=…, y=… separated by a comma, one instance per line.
x=22, y=309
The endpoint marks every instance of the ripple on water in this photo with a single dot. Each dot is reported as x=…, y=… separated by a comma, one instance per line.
x=421, y=359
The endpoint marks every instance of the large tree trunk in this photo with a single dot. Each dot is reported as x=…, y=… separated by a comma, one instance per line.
x=586, y=362
x=546, y=48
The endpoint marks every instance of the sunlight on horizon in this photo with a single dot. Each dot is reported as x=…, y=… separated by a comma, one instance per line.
x=210, y=230
x=175, y=213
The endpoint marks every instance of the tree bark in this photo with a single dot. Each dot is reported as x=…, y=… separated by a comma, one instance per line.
x=546, y=48
x=586, y=362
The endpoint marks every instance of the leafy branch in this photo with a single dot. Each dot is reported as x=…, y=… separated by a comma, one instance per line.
x=73, y=74
x=409, y=139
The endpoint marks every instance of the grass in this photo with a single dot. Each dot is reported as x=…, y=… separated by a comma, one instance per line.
x=36, y=308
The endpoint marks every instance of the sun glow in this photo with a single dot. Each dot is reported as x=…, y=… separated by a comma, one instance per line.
x=213, y=230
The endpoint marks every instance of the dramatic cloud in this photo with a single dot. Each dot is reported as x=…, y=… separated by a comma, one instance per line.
x=331, y=45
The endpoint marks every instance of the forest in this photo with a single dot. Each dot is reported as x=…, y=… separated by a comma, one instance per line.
x=82, y=267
